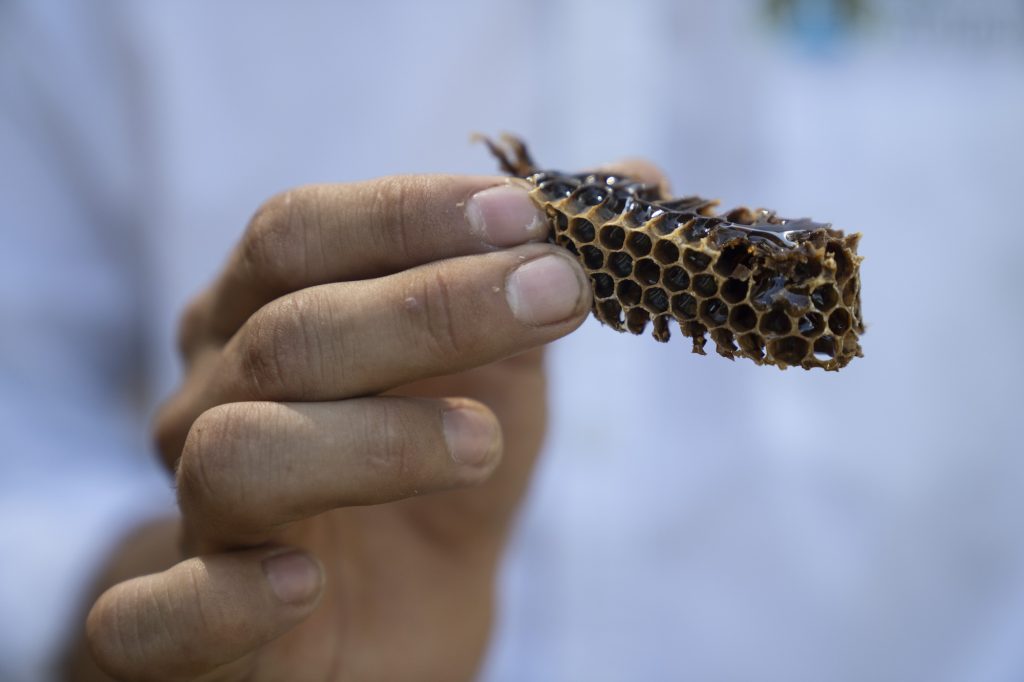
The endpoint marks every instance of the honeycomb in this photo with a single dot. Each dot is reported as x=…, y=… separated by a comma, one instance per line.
x=778, y=291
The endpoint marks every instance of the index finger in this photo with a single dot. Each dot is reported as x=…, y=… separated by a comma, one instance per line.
x=320, y=234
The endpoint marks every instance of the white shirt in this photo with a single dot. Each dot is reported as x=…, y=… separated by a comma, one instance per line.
x=692, y=518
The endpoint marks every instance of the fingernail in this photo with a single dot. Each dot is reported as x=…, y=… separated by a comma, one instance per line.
x=471, y=436
x=544, y=291
x=293, y=576
x=505, y=216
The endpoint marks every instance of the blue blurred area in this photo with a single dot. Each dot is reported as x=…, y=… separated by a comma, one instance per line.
x=819, y=26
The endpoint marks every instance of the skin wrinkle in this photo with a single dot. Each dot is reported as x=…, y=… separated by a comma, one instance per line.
x=252, y=360
x=120, y=614
x=306, y=307
x=199, y=606
x=390, y=456
x=390, y=207
x=159, y=599
x=339, y=343
x=331, y=347
x=134, y=648
x=308, y=222
x=438, y=308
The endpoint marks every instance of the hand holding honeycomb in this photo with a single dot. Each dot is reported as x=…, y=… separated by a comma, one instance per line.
x=778, y=291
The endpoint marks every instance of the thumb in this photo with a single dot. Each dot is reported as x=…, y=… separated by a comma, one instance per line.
x=202, y=617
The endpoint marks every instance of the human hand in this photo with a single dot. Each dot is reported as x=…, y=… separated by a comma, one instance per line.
x=366, y=344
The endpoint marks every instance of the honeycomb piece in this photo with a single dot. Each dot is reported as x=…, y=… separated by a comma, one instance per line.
x=778, y=291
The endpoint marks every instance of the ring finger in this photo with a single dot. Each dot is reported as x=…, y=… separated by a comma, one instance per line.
x=247, y=469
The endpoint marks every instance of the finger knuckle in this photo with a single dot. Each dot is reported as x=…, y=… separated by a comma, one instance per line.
x=273, y=349
x=391, y=454
x=275, y=250
x=397, y=210
x=118, y=641
x=440, y=317
x=207, y=476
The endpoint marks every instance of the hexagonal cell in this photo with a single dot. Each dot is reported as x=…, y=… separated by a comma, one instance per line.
x=647, y=271
x=620, y=263
x=705, y=285
x=699, y=227
x=588, y=196
x=638, y=214
x=664, y=224
x=603, y=285
x=844, y=268
x=775, y=323
x=714, y=312
x=752, y=345
x=790, y=350
x=742, y=318
x=636, y=320
x=824, y=348
x=850, y=292
x=684, y=306
x=807, y=269
x=734, y=290
x=767, y=289
x=613, y=205
x=629, y=292
x=839, y=321
x=656, y=300
x=695, y=261
x=611, y=312
x=612, y=237
x=638, y=244
x=553, y=190
x=560, y=220
x=571, y=245
x=666, y=253
x=732, y=258
x=675, y=279
x=661, y=332
x=696, y=331
x=582, y=230
x=724, y=342
x=593, y=257
x=797, y=298
x=811, y=324
x=825, y=297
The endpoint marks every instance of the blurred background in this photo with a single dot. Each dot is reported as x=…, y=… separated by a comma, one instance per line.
x=692, y=518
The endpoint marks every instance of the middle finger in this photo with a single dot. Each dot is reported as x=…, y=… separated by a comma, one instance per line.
x=349, y=339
